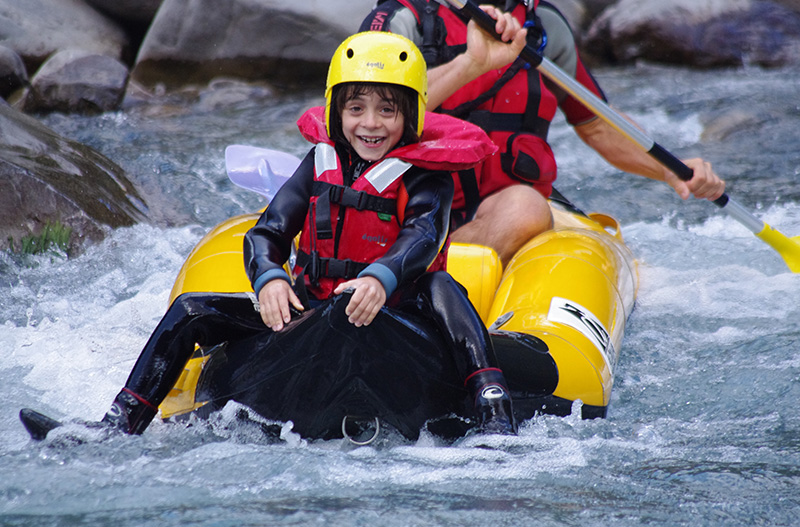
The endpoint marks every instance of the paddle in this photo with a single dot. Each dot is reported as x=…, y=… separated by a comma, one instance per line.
x=788, y=248
x=260, y=170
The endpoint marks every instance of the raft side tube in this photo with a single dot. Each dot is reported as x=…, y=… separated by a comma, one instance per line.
x=216, y=263
x=578, y=320
x=478, y=269
x=584, y=291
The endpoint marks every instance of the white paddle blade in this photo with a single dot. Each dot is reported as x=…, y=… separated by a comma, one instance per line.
x=259, y=170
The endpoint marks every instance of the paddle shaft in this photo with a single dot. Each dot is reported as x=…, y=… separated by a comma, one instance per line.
x=602, y=110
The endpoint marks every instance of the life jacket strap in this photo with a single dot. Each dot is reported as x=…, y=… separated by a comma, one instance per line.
x=316, y=267
x=509, y=122
x=329, y=194
x=472, y=198
x=354, y=199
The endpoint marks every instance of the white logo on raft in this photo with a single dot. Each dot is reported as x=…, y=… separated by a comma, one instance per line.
x=578, y=317
x=492, y=392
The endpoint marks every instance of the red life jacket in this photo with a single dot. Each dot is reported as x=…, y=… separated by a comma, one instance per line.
x=336, y=245
x=511, y=104
x=517, y=118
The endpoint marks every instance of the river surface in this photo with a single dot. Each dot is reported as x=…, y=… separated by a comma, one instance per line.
x=704, y=422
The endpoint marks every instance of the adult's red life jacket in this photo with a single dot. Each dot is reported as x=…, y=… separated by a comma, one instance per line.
x=349, y=227
x=517, y=117
x=512, y=104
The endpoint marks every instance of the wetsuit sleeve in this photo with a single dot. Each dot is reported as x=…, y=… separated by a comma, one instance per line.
x=561, y=49
x=268, y=244
x=423, y=232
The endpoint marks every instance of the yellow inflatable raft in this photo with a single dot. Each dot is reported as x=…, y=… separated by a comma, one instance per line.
x=557, y=313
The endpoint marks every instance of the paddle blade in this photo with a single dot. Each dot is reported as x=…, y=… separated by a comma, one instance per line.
x=260, y=170
x=788, y=248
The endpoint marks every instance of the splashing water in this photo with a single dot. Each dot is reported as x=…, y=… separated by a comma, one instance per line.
x=703, y=423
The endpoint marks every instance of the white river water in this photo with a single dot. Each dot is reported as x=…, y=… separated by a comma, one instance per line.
x=703, y=427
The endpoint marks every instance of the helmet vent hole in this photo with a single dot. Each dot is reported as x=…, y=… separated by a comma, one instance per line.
x=403, y=56
x=350, y=53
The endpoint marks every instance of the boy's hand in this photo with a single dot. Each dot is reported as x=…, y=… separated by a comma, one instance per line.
x=368, y=298
x=274, y=299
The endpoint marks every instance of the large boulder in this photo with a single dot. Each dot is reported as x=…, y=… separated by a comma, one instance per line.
x=595, y=7
x=75, y=80
x=794, y=5
x=197, y=40
x=36, y=29
x=45, y=178
x=703, y=33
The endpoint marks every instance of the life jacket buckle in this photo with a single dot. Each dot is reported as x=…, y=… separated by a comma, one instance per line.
x=335, y=193
x=314, y=267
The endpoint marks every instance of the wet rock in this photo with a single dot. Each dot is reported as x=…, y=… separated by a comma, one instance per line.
x=225, y=93
x=595, y=7
x=36, y=29
x=45, y=178
x=13, y=74
x=719, y=126
x=768, y=35
x=793, y=5
x=703, y=33
x=271, y=39
x=77, y=81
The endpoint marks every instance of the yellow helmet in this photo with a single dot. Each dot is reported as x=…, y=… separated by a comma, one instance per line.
x=378, y=56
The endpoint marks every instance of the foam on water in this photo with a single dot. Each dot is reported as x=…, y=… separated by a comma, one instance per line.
x=77, y=343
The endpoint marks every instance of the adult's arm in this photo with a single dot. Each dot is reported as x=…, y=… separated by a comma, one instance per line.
x=625, y=155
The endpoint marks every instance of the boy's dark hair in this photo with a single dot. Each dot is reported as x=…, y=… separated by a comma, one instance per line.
x=404, y=99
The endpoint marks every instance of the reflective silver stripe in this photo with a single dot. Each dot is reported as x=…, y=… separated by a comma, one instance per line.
x=254, y=300
x=324, y=158
x=386, y=173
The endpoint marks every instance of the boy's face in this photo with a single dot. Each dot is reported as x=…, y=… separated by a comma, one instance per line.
x=372, y=125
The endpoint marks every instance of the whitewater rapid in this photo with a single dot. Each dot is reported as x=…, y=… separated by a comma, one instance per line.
x=703, y=423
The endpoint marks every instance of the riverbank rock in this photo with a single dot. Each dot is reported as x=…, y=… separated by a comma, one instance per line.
x=701, y=33
x=36, y=29
x=79, y=81
x=45, y=178
x=197, y=40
